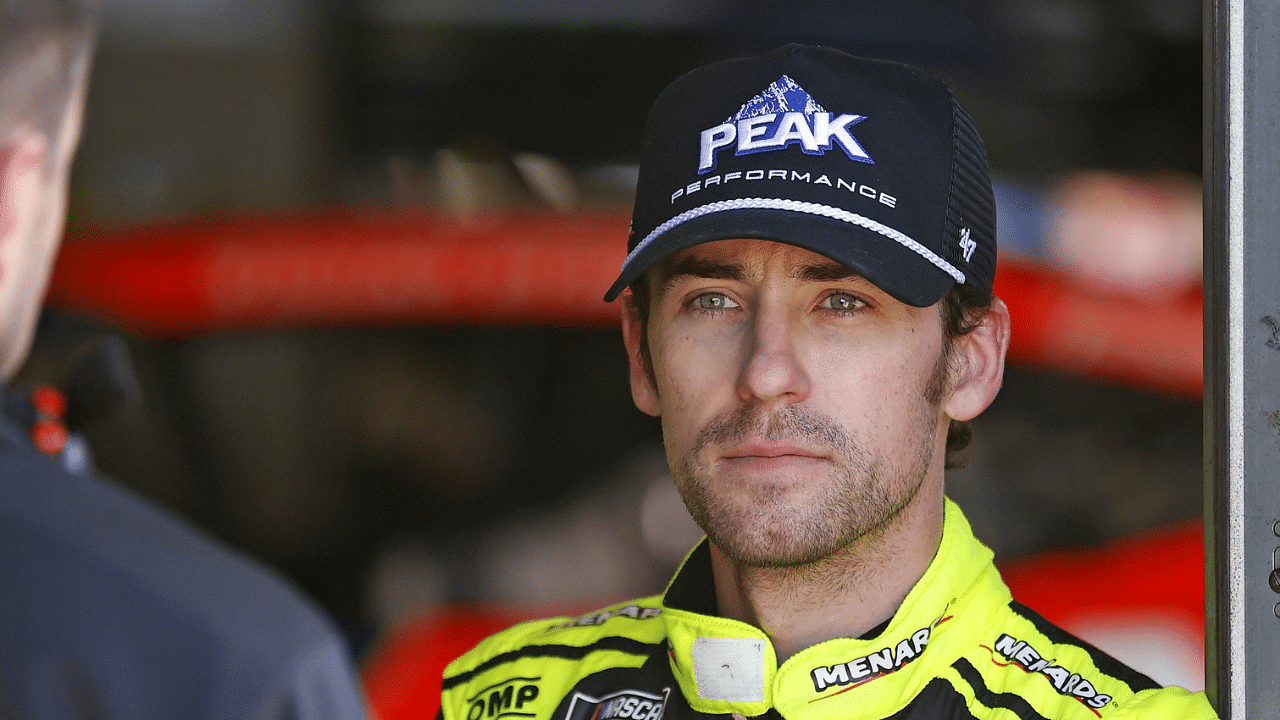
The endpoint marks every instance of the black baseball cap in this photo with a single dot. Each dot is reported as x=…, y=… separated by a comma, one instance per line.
x=874, y=164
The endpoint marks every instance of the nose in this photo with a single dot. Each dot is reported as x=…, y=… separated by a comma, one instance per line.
x=772, y=371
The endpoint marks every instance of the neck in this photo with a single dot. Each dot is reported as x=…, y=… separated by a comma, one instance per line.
x=845, y=594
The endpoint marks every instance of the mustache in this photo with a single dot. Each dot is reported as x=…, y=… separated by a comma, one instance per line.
x=790, y=424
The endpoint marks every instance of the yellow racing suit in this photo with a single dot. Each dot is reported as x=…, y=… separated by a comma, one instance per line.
x=958, y=647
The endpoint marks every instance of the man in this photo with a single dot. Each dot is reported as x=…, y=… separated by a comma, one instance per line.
x=110, y=608
x=811, y=316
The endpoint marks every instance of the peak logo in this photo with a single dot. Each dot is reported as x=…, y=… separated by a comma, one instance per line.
x=782, y=115
x=1066, y=682
x=621, y=705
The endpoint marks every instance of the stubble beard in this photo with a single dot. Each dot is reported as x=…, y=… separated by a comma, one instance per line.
x=767, y=527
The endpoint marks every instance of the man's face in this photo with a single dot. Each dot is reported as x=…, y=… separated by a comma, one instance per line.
x=801, y=405
x=33, y=199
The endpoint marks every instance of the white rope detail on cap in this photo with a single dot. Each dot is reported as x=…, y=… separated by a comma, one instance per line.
x=800, y=207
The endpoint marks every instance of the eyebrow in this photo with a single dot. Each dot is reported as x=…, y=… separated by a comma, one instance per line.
x=704, y=268
x=823, y=272
x=715, y=269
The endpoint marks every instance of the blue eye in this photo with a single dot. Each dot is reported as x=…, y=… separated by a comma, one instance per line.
x=843, y=302
x=714, y=301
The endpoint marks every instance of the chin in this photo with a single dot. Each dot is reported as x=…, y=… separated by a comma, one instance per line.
x=786, y=540
x=780, y=556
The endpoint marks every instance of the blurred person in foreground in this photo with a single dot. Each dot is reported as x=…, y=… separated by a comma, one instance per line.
x=109, y=607
x=809, y=311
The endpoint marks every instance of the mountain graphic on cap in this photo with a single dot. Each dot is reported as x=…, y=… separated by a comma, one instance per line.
x=783, y=95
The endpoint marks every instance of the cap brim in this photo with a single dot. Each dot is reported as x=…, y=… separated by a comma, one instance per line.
x=888, y=263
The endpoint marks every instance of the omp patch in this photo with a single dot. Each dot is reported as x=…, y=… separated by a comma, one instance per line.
x=504, y=699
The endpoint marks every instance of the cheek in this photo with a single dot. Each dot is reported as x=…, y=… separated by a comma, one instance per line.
x=695, y=381
x=682, y=382
x=876, y=388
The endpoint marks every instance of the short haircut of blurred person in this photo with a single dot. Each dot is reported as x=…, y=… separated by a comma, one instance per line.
x=109, y=606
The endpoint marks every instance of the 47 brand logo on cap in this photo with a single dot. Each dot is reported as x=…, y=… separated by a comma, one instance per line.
x=621, y=705
x=781, y=115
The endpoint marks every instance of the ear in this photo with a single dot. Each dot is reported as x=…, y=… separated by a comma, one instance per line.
x=978, y=368
x=643, y=389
